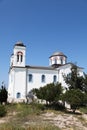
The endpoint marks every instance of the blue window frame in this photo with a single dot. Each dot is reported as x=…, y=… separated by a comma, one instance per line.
x=43, y=78
x=30, y=78
x=18, y=95
x=54, y=78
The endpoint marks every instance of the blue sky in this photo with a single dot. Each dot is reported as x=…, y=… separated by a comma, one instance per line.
x=44, y=26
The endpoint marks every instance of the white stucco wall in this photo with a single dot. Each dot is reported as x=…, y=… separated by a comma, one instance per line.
x=37, y=73
x=17, y=83
x=11, y=83
x=64, y=70
x=20, y=82
x=19, y=79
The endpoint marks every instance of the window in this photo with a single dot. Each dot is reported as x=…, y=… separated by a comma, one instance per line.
x=61, y=60
x=55, y=61
x=30, y=77
x=17, y=58
x=18, y=95
x=54, y=78
x=21, y=58
x=69, y=76
x=43, y=78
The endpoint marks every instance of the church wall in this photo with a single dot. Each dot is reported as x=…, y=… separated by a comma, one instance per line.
x=64, y=70
x=81, y=73
x=11, y=84
x=37, y=74
x=20, y=82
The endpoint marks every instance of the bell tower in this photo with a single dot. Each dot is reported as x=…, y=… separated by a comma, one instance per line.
x=17, y=82
x=18, y=56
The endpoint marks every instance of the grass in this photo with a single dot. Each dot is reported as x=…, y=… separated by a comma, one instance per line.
x=83, y=110
x=26, y=117
x=10, y=127
x=29, y=117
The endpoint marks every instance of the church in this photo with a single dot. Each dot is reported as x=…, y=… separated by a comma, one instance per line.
x=23, y=78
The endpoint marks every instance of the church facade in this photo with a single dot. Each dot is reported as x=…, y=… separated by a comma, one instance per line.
x=23, y=78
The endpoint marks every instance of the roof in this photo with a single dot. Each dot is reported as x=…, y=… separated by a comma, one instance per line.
x=44, y=67
x=40, y=67
x=35, y=67
x=58, y=54
x=19, y=44
x=70, y=63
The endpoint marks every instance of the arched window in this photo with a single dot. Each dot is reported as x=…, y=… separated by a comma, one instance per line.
x=43, y=78
x=19, y=56
x=55, y=60
x=30, y=78
x=61, y=59
x=54, y=78
x=18, y=95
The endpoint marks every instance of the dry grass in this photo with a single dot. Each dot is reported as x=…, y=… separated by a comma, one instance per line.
x=34, y=117
x=25, y=117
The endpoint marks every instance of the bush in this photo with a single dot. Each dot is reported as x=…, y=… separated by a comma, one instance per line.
x=56, y=106
x=2, y=111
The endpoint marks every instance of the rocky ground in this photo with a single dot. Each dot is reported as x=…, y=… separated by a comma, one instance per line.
x=64, y=121
x=67, y=121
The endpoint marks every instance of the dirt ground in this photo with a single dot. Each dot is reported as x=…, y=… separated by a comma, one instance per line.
x=65, y=121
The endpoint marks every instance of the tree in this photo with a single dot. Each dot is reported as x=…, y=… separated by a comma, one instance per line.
x=3, y=94
x=85, y=83
x=75, y=95
x=51, y=92
x=74, y=80
x=75, y=98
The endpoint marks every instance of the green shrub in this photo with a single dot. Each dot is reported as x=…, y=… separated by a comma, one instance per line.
x=56, y=106
x=2, y=111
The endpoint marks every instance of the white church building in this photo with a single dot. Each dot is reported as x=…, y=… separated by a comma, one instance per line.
x=23, y=78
